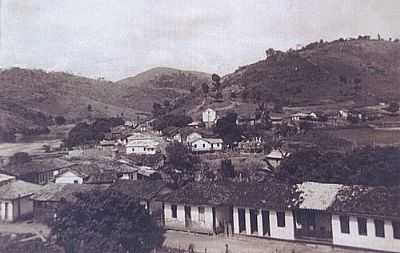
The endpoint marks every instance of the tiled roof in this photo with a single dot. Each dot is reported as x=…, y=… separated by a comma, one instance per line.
x=374, y=201
x=57, y=192
x=257, y=195
x=18, y=188
x=36, y=165
x=140, y=189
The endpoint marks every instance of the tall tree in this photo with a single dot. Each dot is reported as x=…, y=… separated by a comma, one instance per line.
x=227, y=128
x=181, y=165
x=105, y=221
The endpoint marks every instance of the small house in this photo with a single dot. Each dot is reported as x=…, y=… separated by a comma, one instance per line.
x=38, y=171
x=142, y=144
x=47, y=200
x=209, y=117
x=15, y=202
x=207, y=145
x=275, y=157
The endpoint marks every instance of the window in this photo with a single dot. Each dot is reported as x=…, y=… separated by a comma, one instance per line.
x=281, y=219
x=344, y=224
x=174, y=211
x=75, y=181
x=204, y=145
x=379, y=228
x=362, y=226
x=202, y=218
x=396, y=229
x=195, y=145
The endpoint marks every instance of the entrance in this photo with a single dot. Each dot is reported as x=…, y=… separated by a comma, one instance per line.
x=188, y=217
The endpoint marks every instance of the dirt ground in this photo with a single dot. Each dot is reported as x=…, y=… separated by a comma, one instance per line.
x=216, y=244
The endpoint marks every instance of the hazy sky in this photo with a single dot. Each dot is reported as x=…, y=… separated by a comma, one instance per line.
x=119, y=38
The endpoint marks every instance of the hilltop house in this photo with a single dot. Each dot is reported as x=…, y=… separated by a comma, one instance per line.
x=142, y=144
x=47, y=200
x=15, y=202
x=209, y=117
x=337, y=215
x=275, y=157
x=38, y=171
x=206, y=145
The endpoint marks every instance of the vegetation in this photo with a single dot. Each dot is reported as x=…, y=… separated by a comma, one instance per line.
x=20, y=158
x=84, y=133
x=227, y=128
x=59, y=120
x=181, y=166
x=106, y=221
x=172, y=120
x=375, y=166
x=393, y=107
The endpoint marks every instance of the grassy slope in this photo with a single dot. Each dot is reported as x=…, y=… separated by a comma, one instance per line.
x=364, y=71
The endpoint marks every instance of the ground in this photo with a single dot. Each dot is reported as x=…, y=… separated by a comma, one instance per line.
x=202, y=243
x=216, y=244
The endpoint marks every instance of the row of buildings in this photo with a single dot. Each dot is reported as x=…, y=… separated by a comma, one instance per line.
x=331, y=214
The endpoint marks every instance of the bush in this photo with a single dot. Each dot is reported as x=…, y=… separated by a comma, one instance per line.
x=59, y=120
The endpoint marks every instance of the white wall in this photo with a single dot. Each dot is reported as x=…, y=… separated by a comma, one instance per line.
x=141, y=150
x=25, y=206
x=209, y=115
x=68, y=178
x=370, y=241
x=286, y=233
x=201, y=145
x=3, y=210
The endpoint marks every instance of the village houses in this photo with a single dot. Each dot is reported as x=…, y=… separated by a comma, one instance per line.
x=209, y=117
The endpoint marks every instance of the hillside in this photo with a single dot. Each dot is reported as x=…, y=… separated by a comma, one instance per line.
x=158, y=85
x=360, y=70
x=29, y=98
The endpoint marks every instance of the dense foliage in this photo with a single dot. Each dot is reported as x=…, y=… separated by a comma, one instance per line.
x=20, y=157
x=367, y=166
x=181, y=165
x=106, y=221
x=84, y=133
x=172, y=120
x=227, y=128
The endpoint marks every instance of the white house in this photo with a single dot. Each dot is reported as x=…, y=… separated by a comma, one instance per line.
x=206, y=145
x=209, y=117
x=15, y=202
x=275, y=157
x=142, y=144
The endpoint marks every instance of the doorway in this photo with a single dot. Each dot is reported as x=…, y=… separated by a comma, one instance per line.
x=188, y=217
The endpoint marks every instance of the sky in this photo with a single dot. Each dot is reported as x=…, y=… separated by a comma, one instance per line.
x=120, y=38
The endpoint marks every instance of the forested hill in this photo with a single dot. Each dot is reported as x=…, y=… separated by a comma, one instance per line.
x=360, y=70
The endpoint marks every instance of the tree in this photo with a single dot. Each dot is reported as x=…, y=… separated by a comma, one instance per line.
x=20, y=158
x=227, y=169
x=166, y=103
x=174, y=120
x=227, y=128
x=205, y=88
x=59, y=120
x=157, y=109
x=89, y=108
x=217, y=81
x=180, y=164
x=393, y=107
x=105, y=221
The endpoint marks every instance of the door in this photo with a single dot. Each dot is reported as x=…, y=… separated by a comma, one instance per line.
x=266, y=223
x=188, y=217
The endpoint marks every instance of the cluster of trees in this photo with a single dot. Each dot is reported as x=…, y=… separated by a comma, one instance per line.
x=106, y=221
x=20, y=158
x=84, y=133
x=393, y=107
x=375, y=166
x=181, y=165
x=174, y=120
x=227, y=128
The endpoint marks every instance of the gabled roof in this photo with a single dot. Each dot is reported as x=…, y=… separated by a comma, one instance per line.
x=276, y=154
x=18, y=189
x=57, y=192
x=369, y=201
x=143, y=190
x=36, y=166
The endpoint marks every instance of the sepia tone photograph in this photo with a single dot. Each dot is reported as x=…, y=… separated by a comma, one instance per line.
x=188, y=126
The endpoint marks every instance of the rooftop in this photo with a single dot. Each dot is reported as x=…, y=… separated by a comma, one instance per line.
x=17, y=189
x=35, y=166
x=57, y=192
x=139, y=189
x=317, y=196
